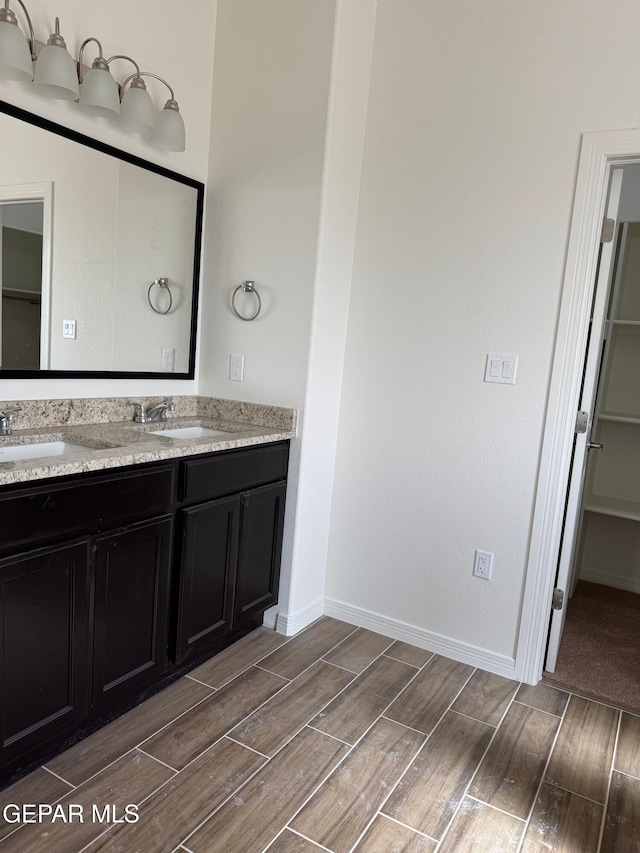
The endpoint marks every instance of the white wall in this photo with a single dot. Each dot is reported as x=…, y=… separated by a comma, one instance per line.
x=475, y=117
x=177, y=45
x=270, y=96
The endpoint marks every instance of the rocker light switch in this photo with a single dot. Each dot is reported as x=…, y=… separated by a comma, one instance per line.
x=501, y=367
x=69, y=329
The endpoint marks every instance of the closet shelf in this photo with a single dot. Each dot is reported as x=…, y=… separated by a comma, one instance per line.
x=618, y=417
x=612, y=506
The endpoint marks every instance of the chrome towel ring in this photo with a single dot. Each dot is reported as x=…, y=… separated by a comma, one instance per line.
x=246, y=287
x=162, y=283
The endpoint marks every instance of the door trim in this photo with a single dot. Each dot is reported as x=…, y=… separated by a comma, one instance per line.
x=599, y=153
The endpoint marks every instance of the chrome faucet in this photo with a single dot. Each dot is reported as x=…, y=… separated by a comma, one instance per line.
x=156, y=414
x=8, y=418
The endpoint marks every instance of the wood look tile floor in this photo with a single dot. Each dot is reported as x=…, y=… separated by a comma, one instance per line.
x=344, y=741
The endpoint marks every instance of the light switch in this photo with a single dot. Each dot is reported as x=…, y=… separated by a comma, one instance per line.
x=69, y=329
x=501, y=367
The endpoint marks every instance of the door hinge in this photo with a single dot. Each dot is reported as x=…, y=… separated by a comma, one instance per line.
x=558, y=599
x=608, y=227
x=582, y=421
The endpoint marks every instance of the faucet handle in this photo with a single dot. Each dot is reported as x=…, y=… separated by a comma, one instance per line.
x=140, y=414
x=10, y=412
x=8, y=418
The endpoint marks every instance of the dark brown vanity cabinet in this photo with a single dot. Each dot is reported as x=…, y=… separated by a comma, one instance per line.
x=130, y=631
x=231, y=544
x=85, y=567
x=44, y=645
x=110, y=582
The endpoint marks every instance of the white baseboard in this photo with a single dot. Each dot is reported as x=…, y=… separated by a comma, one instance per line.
x=429, y=640
x=294, y=622
x=606, y=579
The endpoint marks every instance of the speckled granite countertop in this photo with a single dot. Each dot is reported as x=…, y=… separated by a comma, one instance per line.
x=101, y=445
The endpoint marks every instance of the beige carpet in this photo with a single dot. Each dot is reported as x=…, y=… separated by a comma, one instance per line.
x=600, y=649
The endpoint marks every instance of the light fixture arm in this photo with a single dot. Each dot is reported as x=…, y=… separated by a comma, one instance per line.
x=7, y=14
x=128, y=58
x=98, y=62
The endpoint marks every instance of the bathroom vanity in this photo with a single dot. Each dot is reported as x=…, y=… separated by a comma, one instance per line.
x=114, y=581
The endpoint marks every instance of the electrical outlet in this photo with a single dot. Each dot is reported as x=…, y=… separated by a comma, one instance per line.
x=236, y=368
x=483, y=565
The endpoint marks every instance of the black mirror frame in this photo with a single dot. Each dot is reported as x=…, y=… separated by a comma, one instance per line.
x=75, y=136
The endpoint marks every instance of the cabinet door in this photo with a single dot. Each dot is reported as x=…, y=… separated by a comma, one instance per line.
x=44, y=642
x=131, y=604
x=260, y=551
x=209, y=555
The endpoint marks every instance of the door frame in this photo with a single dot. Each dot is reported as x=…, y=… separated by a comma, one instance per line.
x=599, y=153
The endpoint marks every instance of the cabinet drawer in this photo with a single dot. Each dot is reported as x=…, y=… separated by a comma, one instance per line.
x=232, y=471
x=83, y=506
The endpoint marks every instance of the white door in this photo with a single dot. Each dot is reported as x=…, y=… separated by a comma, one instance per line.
x=564, y=581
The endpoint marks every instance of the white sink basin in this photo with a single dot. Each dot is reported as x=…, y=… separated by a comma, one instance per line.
x=35, y=451
x=190, y=432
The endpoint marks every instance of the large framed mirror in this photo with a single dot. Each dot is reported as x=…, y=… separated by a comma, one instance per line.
x=100, y=257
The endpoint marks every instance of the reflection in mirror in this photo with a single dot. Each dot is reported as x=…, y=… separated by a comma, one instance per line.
x=21, y=283
x=75, y=284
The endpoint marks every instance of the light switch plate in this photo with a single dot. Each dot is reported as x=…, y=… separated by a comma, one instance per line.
x=69, y=329
x=501, y=367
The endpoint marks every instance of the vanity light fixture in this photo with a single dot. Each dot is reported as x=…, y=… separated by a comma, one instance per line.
x=137, y=113
x=55, y=71
x=56, y=75
x=99, y=92
x=169, y=134
x=17, y=54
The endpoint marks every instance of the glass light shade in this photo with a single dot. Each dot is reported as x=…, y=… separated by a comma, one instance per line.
x=55, y=75
x=15, y=56
x=137, y=113
x=170, y=133
x=99, y=95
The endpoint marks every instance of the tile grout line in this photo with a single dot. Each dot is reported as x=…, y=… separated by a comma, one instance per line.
x=262, y=669
x=406, y=826
x=542, y=710
x=299, y=835
x=233, y=740
x=469, y=717
x=605, y=807
x=343, y=668
x=62, y=779
x=573, y=793
x=427, y=737
x=495, y=808
x=478, y=765
x=432, y=655
x=543, y=779
x=405, y=726
x=326, y=734
x=203, y=683
x=159, y=760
